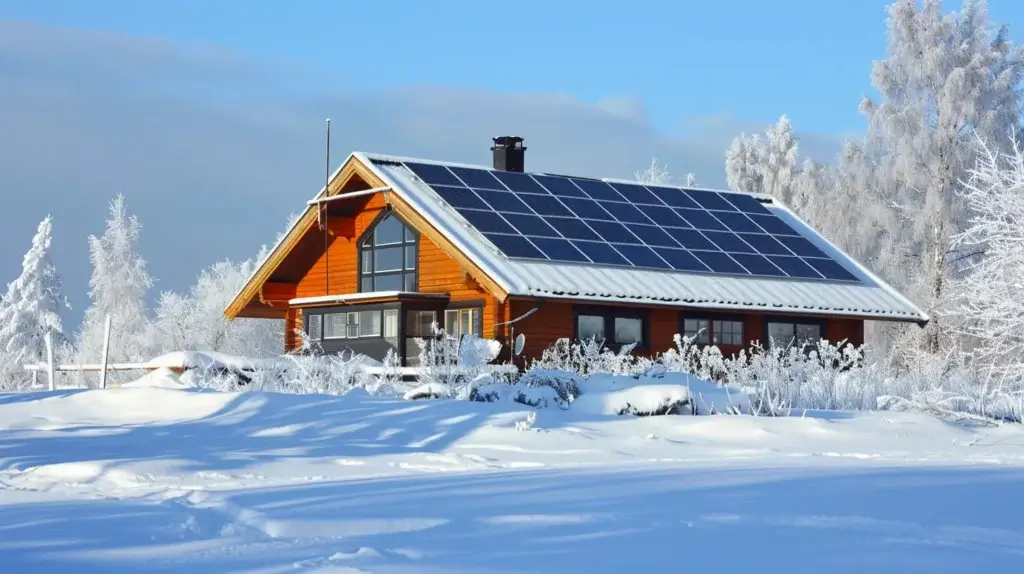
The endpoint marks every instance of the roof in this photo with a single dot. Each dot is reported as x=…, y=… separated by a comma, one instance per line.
x=871, y=298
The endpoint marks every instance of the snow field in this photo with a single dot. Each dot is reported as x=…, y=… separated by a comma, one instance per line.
x=170, y=480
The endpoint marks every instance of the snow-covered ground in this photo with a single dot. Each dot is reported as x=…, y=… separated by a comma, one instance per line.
x=166, y=480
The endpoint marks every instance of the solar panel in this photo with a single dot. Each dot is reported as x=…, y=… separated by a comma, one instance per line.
x=580, y=220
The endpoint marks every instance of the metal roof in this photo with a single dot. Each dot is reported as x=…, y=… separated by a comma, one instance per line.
x=872, y=298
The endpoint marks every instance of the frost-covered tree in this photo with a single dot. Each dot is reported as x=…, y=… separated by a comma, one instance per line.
x=947, y=79
x=30, y=309
x=118, y=287
x=657, y=174
x=989, y=300
x=768, y=165
x=654, y=174
x=195, y=321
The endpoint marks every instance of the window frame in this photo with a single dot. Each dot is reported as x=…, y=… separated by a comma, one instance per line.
x=365, y=245
x=320, y=314
x=795, y=321
x=609, y=313
x=711, y=319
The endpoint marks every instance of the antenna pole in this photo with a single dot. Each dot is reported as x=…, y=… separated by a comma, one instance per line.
x=327, y=182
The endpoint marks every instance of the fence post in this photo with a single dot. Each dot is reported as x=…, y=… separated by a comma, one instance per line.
x=106, y=350
x=48, y=338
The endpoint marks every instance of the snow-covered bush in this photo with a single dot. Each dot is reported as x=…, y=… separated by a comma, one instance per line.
x=456, y=362
x=590, y=356
x=566, y=385
x=298, y=374
x=389, y=381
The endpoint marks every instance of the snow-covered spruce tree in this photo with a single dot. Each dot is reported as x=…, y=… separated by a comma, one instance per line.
x=118, y=288
x=947, y=79
x=195, y=321
x=30, y=309
x=989, y=300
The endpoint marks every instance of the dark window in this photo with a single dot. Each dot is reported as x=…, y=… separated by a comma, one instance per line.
x=712, y=331
x=590, y=327
x=387, y=258
x=418, y=325
x=612, y=326
x=629, y=330
x=727, y=333
x=698, y=330
x=783, y=334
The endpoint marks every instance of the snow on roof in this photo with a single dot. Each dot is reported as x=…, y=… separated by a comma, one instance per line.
x=356, y=297
x=871, y=298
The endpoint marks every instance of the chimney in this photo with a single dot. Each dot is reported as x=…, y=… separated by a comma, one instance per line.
x=509, y=153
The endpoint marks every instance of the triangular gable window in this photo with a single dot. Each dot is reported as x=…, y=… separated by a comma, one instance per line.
x=387, y=256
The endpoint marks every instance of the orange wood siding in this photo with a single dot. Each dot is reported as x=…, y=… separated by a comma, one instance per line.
x=292, y=322
x=437, y=272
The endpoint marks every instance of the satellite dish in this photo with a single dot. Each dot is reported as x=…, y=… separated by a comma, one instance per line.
x=520, y=342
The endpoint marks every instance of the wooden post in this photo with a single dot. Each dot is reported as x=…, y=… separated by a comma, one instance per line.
x=106, y=350
x=48, y=339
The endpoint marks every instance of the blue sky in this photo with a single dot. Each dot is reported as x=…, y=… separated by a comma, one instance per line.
x=208, y=115
x=751, y=59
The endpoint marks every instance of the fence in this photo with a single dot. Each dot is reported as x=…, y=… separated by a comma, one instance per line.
x=102, y=367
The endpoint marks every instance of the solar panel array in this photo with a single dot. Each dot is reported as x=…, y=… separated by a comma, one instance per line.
x=579, y=220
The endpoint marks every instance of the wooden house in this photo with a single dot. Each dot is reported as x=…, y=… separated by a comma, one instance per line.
x=393, y=244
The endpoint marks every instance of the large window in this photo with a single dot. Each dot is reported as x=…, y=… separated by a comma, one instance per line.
x=352, y=325
x=612, y=325
x=387, y=257
x=786, y=333
x=707, y=331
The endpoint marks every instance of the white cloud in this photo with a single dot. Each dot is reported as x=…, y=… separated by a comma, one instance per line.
x=213, y=153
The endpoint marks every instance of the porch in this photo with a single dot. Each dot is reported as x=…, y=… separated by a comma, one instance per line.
x=375, y=323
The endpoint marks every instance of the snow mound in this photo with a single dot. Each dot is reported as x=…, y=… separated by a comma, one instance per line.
x=162, y=378
x=123, y=406
x=428, y=391
x=637, y=400
x=208, y=360
x=668, y=393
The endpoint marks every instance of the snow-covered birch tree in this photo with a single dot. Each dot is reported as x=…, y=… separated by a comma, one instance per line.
x=195, y=321
x=947, y=79
x=989, y=302
x=654, y=174
x=30, y=309
x=118, y=287
x=768, y=165
x=658, y=174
